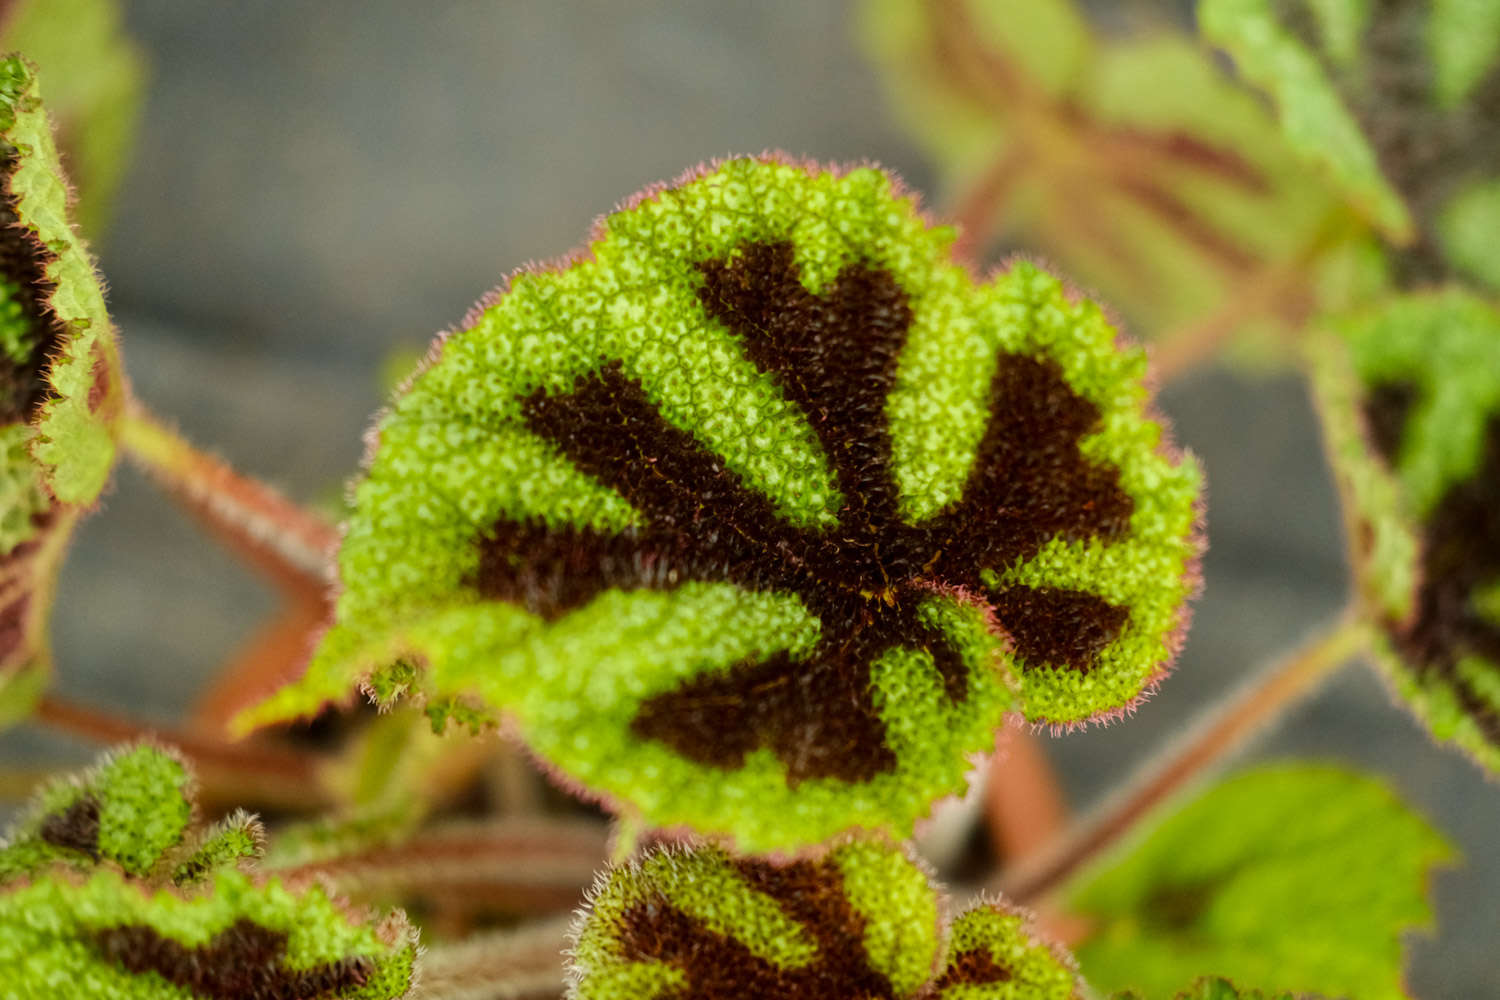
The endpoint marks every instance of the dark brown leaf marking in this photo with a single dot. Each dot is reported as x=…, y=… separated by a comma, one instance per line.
x=242, y=962
x=1387, y=411
x=22, y=263
x=976, y=967
x=834, y=354
x=13, y=632
x=1460, y=555
x=75, y=828
x=718, y=967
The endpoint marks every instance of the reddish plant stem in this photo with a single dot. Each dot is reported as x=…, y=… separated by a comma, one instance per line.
x=292, y=546
x=978, y=210
x=275, y=655
x=516, y=865
x=250, y=771
x=1218, y=733
x=522, y=964
x=1023, y=803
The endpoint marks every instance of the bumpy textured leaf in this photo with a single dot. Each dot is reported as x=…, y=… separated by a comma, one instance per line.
x=761, y=515
x=1398, y=99
x=1283, y=878
x=84, y=385
x=862, y=921
x=1410, y=392
x=1135, y=160
x=107, y=891
x=59, y=385
x=130, y=810
x=94, y=77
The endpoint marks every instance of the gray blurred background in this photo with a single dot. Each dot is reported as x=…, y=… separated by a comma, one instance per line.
x=318, y=186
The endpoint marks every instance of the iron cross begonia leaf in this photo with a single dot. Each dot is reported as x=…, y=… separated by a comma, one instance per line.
x=762, y=514
x=109, y=886
x=861, y=921
x=1410, y=395
x=60, y=385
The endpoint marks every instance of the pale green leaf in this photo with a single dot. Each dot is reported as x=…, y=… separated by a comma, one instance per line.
x=1133, y=160
x=1286, y=878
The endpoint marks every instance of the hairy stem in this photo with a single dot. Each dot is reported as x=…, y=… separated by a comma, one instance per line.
x=1207, y=744
x=1283, y=287
x=289, y=544
x=521, y=964
x=519, y=865
x=254, y=772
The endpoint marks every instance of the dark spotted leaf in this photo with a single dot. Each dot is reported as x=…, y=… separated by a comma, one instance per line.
x=1133, y=159
x=861, y=921
x=1285, y=878
x=106, y=885
x=759, y=516
x=1398, y=100
x=1410, y=396
x=94, y=77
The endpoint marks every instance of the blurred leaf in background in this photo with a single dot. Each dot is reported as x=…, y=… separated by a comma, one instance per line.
x=94, y=79
x=1137, y=160
x=1398, y=103
x=1409, y=390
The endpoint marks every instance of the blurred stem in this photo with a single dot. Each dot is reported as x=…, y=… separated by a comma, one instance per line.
x=240, y=773
x=1285, y=285
x=979, y=209
x=522, y=964
x=522, y=865
x=1206, y=745
x=274, y=655
x=1023, y=803
x=289, y=544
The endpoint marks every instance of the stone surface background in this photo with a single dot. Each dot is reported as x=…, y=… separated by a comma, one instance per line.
x=321, y=185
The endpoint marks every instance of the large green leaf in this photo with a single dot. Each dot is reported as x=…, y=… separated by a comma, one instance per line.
x=94, y=79
x=1134, y=160
x=1410, y=394
x=1396, y=99
x=761, y=514
x=107, y=885
x=862, y=921
x=1296, y=878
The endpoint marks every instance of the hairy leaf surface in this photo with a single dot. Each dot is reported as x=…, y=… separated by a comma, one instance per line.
x=862, y=921
x=108, y=885
x=1410, y=395
x=52, y=364
x=1294, y=878
x=761, y=515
